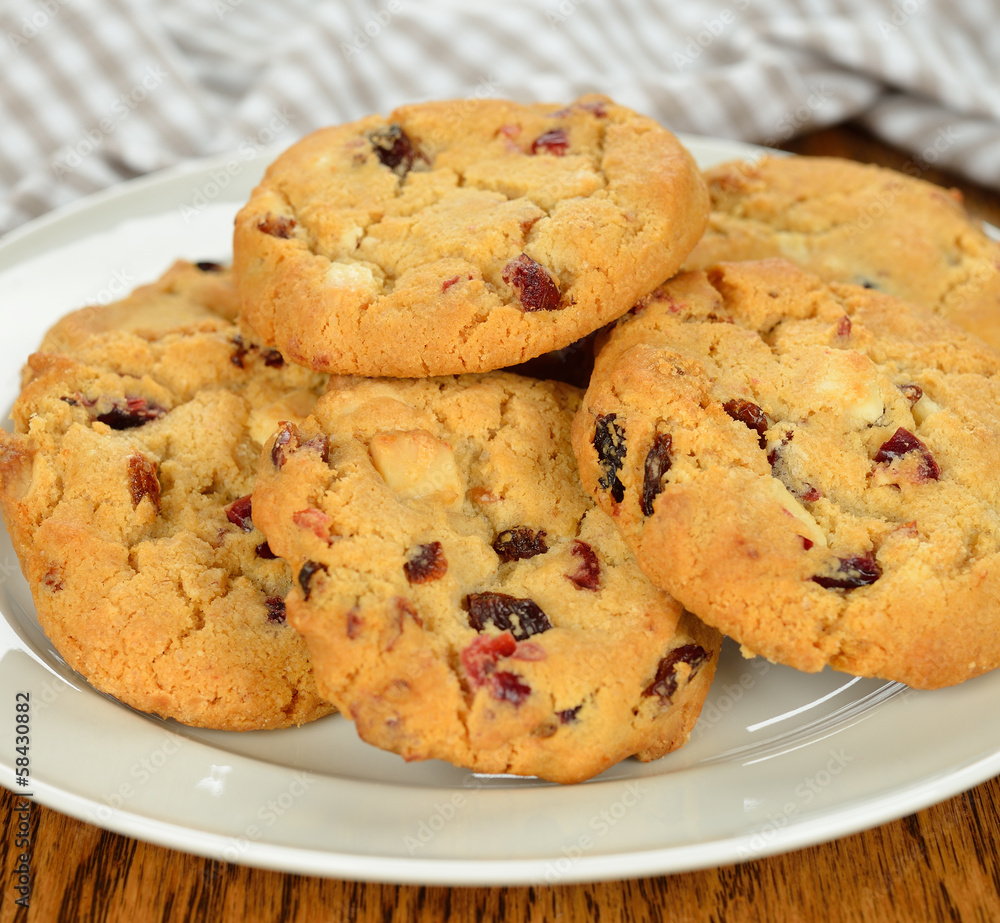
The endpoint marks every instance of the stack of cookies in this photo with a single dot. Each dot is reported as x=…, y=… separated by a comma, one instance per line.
x=343, y=475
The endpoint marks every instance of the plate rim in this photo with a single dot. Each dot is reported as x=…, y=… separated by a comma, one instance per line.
x=820, y=827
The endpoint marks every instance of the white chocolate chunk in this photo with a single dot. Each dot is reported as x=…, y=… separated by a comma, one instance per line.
x=869, y=407
x=350, y=275
x=416, y=465
x=849, y=381
x=347, y=241
x=845, y=381
x=293, y=407
x=923, y=408
x=811, y=529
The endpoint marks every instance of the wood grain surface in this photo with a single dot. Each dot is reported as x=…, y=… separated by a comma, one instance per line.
x=942, y=863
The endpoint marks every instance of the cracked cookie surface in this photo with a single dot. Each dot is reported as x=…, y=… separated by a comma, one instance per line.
x=125, y=489
x=811, y=468
x=858, y=223
x=462, y=597
x=462, y=236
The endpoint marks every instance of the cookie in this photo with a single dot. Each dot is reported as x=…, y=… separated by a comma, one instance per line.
x=126, y=492
x=810, y=467
x=462, y=236
x=852, y=222
x=188, y=297
x=461, y=596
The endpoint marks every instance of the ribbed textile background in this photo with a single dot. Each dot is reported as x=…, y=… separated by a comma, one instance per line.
x=96, y=91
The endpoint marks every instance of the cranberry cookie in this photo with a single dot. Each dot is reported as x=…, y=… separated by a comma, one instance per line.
x=462, y=236
x=126, y=491
x=809, y=467
x=852, y=222
x=187, y=298
x=461, y=596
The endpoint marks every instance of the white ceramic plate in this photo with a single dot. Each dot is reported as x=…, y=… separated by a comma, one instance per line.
x=778, y=761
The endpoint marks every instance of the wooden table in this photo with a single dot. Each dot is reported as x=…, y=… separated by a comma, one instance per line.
x=939, y=864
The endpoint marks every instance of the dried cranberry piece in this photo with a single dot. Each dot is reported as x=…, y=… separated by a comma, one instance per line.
x=609, y=440
x=429, y=563
x=508, y=687
x=355, y=624
x=596, y=108
x=521, y=617
x=535, y=288
x=315, y=521
x=528, y=650
x=404, y=610
x=479, y=658
x=658, y=463
x=275, y=609
x=136, y=412
x=568, y=715
x=519, y=543
x=240, y=513
x=911, y=392
x=287, y=437
x=142, y=481
x=844, y=326
x=664, y=684
x=319, y=443
x=750, y=415
x=588, y=574
x=852, y=572
x=239, y=353
x=276, y=225
x=306, y=574
x=53, y=580
x=903, y=442
x=272, y=358
x=264, y=551
x=394, y=149
x=554, y=142
x=207, y=266
x=526, y=225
